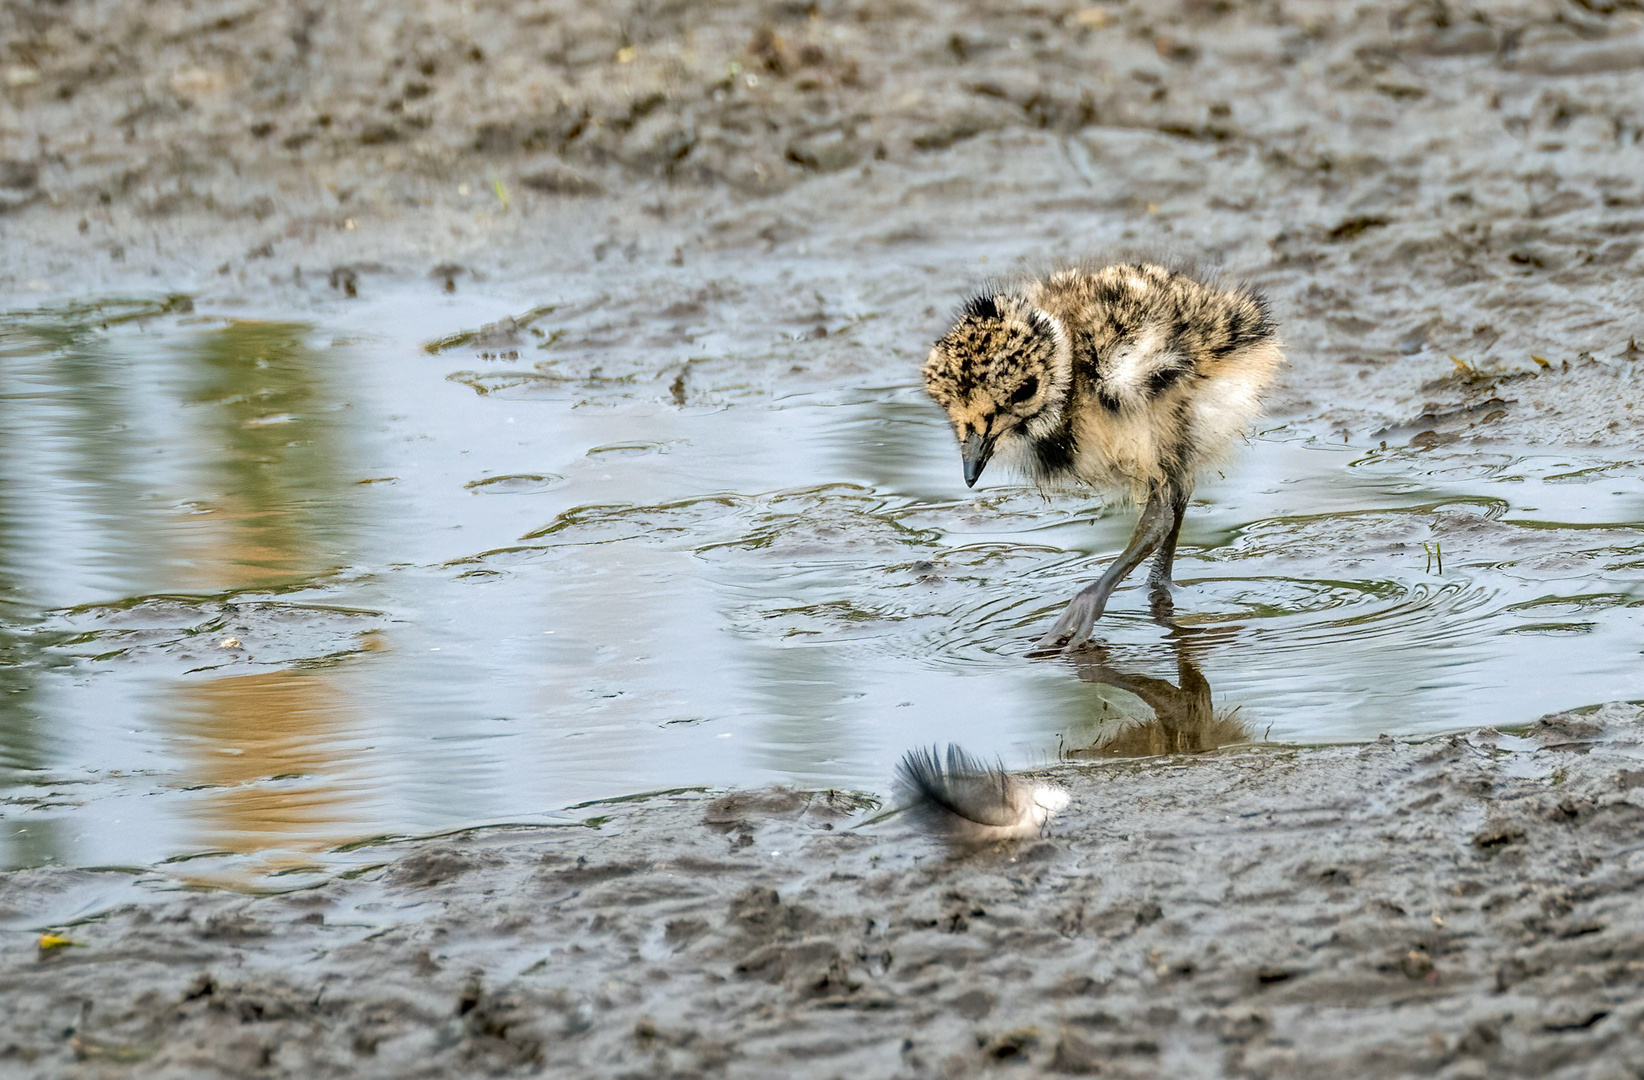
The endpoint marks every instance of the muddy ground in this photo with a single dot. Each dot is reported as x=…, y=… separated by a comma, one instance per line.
x=1466, y=907
x=1433, y=194
x=1408, y=182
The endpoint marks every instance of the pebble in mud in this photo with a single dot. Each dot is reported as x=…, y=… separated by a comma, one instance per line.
x=1243, y=911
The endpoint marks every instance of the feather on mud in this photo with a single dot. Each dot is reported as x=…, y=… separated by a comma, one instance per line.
x=961, y=798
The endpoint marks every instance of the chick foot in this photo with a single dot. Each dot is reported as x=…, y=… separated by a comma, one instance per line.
x=1078, y=621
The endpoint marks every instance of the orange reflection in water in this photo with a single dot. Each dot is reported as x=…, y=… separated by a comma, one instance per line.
x=270, y=491
x=272, y=746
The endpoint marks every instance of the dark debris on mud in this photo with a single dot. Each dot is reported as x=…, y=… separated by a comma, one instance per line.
x=1462, y=907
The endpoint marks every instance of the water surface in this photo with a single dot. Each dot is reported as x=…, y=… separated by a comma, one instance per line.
x=273, y=584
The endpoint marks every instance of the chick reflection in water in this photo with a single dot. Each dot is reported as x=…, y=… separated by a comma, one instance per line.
x=1185, y=720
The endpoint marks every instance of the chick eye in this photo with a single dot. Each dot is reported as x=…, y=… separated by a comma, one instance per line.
x=1026, y=390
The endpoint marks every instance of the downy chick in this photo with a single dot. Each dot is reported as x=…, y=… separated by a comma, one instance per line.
x=1128, y=378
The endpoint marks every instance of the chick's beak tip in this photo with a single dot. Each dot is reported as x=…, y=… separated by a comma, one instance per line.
x=975, y=453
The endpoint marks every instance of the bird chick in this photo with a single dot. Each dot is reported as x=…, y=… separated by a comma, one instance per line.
x=1128, y=378
x=970, y=802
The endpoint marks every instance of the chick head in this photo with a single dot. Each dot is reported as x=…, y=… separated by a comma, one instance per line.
x=1000, y=372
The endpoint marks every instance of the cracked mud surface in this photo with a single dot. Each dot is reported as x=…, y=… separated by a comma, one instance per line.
x=1463, y=907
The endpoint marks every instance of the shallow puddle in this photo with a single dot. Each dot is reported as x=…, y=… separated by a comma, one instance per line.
x=272, y=587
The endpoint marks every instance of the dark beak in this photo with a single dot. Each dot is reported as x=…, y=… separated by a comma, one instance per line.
x=975, y=450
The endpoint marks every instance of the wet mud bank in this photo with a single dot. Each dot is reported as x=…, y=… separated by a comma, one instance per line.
x=1464, y=907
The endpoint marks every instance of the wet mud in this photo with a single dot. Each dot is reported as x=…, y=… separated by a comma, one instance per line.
x=1463, y=907
x=350, y=356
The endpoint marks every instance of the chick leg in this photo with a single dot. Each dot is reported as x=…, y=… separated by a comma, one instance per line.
x=1158, y=578
x=1158, y=522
